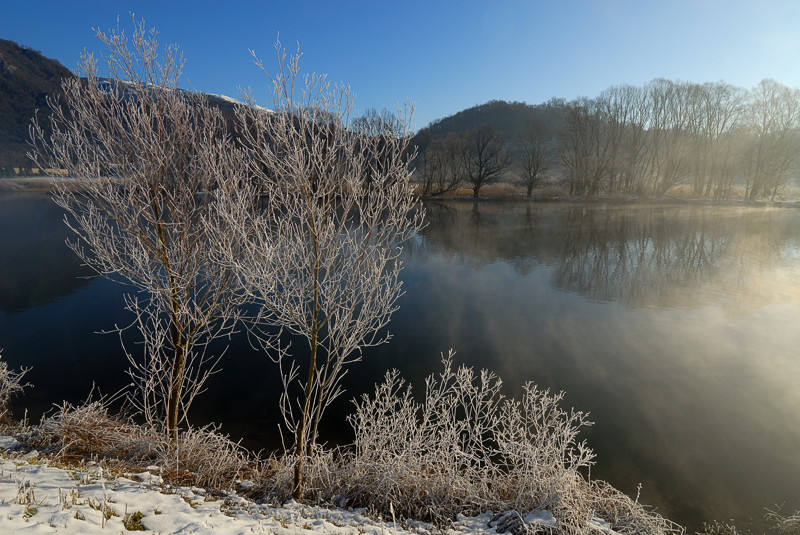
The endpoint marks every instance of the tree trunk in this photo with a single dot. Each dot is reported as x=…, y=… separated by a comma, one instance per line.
x=300, y=436
x=175, y=393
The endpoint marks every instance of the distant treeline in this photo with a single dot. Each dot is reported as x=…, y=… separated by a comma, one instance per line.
x=628, y=140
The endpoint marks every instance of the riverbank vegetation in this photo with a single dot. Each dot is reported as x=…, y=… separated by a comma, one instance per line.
x=463, y=450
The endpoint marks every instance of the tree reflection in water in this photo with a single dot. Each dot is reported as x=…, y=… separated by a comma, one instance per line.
x=675, y=325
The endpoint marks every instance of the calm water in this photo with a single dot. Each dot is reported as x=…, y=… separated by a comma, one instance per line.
x=675, y=326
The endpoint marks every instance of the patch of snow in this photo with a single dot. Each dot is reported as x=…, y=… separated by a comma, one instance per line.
x=544, y=518
x=37, y=498
x=226, y=98
x=8, y=443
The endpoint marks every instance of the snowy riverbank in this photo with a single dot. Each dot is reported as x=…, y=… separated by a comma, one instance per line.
x=38, y=498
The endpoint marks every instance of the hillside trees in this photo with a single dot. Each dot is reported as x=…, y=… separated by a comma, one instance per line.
x=155, y=160
x=26, y=80
x=533, y=155
x=484, y=156
x=320, y=256
x=442, y=167
x=644, y=140
x=714, y=114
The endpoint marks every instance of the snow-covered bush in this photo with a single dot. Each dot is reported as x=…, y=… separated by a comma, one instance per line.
x=205, y=458
x=10, y=385
x=784, y=525
x=466, y=449
x=89, y=429
x=201, y=457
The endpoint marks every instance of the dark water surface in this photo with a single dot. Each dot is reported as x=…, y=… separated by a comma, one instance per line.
x=676, y=326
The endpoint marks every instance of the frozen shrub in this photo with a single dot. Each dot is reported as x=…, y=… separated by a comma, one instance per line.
x=201, y=456
x=89, y=429
x=205, y=458
x=466, y=449
x=784, y=525
x=719, y=528
x=10, y=385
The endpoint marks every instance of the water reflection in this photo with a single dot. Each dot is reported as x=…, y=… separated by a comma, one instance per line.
x=675, y=326
x=35, y=265
x=640, y=255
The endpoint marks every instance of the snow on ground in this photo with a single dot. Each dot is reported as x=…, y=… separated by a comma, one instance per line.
x=37, y=498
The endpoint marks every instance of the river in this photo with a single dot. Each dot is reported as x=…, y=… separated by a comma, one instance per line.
x=675, y=326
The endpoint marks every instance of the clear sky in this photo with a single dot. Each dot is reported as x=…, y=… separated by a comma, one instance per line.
x=443, y=55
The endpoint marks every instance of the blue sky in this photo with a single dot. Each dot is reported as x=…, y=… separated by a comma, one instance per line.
x=443, y=55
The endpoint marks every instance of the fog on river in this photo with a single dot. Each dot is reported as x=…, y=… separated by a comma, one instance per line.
x=674, y=325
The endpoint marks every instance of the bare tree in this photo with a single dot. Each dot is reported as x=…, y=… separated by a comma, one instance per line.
x=321, y=256
x=154, y=159
x=442, y=165
x=584, y=146
x=484, y=156
x=668, y=133
x=533, y=154
x=773, y=122
x=372, y=120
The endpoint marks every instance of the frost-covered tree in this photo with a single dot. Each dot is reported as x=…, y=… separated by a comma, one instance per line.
x=152, y=159
x=321, y=255
x=10, y=385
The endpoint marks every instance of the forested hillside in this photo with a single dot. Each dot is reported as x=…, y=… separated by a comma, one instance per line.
x=26, y=79
x=508, y=118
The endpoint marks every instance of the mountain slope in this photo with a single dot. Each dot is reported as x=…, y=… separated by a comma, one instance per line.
x=510, y=118
x=26, y=79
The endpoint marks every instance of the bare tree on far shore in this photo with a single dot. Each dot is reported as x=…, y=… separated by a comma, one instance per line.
x=485, y=157
x=533, y=155
x=443, y=165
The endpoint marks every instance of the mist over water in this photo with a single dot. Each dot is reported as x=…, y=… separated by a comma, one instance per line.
x=674, y=325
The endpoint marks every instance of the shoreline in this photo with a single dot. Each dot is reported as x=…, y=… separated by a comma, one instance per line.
x=39, y=184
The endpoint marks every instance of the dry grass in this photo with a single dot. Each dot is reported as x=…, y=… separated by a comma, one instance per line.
x=506, y=190
x=736, y=192
x=201, y=457
x=205, y=458
x=89, y=430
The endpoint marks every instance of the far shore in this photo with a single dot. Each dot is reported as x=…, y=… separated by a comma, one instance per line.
x=502, y=192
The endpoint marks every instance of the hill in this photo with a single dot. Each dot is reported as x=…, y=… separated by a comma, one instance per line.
x=26, y=79
x=509, y=118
